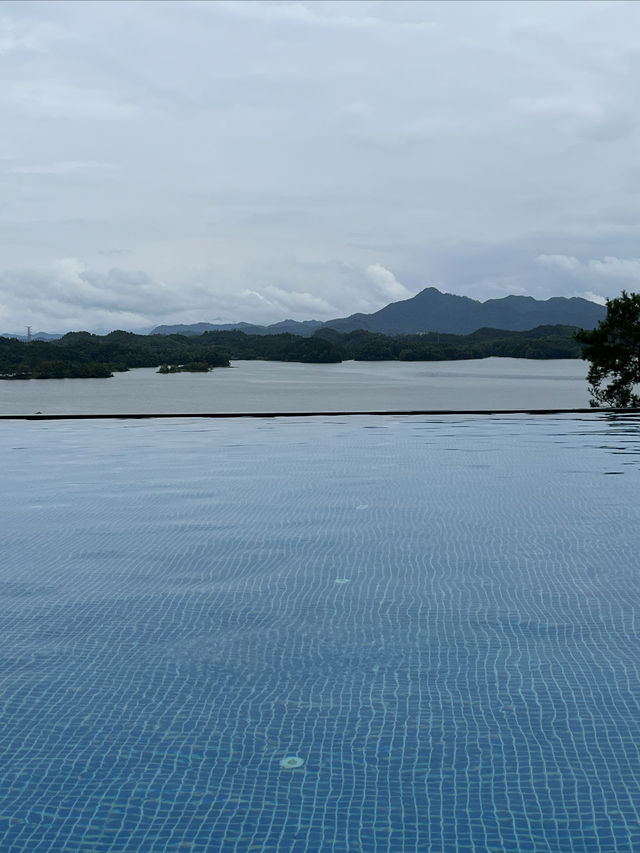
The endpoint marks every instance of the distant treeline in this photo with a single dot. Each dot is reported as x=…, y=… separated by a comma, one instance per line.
x=328, y=345
x=542, y=342
x=81, y=354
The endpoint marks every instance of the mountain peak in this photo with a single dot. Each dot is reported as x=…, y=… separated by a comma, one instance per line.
x=430, y=310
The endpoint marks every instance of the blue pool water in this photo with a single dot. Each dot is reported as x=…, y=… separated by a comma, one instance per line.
x=439, y=619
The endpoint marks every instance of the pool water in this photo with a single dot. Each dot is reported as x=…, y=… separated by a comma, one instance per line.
x=321, y=634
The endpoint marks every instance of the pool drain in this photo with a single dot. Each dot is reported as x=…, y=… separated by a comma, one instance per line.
x=291, y=762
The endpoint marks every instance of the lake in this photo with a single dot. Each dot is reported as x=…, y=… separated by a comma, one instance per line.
x=267, y=386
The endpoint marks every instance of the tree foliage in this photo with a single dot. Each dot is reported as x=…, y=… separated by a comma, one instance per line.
x=542, y=342
x=613, y=351
x=81, y=354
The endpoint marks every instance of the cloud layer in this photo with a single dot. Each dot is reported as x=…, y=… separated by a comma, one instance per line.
x=258, y=160
x=69, y=296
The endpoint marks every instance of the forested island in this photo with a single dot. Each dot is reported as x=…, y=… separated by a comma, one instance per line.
x=84, y=355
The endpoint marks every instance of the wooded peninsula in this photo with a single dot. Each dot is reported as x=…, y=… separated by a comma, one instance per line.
x=84, y=355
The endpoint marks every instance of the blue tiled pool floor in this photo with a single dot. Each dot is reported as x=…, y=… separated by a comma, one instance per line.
x=440, y=618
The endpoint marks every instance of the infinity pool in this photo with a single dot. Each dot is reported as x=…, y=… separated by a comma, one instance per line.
x=354, y=634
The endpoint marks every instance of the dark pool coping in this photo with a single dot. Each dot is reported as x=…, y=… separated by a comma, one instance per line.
x=329, y=414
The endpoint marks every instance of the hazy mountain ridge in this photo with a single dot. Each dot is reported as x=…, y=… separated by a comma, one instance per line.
x=432, y=311
x=296, y=327
x=37, y=336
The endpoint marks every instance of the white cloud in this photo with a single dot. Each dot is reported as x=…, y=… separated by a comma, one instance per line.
x=298, y=301
x=386, y=284
x=69, y=293
x=625, y=269
x=56, y=99
x=592, y=297
x=314, y=15
x=569, y=104
x=609, y=274
x=70, y=296
x=16, y=35
x=563, y=262
x=356, y=110
x=69, y=270
x=62, y=167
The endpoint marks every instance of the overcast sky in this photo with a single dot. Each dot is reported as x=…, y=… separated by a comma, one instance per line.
x=195, y=161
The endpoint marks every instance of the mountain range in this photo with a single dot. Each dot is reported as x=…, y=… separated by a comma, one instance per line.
x=432, y=311
x=428, y=311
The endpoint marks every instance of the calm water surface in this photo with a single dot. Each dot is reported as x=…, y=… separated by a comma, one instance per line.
x=321, y=635
x=262, y=386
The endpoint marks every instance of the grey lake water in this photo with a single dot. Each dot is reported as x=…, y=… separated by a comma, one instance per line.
x=262, y=386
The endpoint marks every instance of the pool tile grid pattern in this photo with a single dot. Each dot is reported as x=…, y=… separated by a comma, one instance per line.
x=438, y=618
